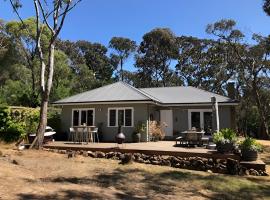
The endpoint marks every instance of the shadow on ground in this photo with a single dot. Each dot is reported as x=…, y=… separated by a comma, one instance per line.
x=133, y=183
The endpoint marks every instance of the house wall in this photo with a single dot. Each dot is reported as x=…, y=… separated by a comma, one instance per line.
x=180, y=117
x=101, y=116
x=142, y=113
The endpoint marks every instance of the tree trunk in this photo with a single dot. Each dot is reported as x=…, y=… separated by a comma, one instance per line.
x=265, y=131
x=38, y=142
x=42, y=123
x=121, y=69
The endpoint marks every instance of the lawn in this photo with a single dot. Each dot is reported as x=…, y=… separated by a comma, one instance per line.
x=47, y=175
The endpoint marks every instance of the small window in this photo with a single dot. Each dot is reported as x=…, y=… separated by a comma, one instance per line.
x=120, y=117
x=76, y=117
x=121, y=121
x=112, y=116
x=90, y=118
x=83, y=117
x=128, y=117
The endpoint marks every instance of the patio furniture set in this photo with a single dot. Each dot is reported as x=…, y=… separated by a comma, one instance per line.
x=83, y=134
x=192, y=137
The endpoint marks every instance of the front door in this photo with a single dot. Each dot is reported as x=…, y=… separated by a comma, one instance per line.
x=166, y=116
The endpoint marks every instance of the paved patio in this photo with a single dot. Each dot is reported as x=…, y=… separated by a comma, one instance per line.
x=157, y=148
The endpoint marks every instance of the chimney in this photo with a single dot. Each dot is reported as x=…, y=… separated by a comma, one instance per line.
x=231, y=90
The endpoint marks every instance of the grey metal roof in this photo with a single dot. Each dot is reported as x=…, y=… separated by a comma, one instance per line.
x=121, y=91
x=183, y=95
x=118, y=91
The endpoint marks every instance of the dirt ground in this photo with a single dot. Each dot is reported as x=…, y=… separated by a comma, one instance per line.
x=45, y=175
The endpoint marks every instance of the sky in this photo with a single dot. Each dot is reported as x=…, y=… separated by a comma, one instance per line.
x=100, y=20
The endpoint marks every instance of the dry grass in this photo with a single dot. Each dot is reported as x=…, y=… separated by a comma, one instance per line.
x=46, y=175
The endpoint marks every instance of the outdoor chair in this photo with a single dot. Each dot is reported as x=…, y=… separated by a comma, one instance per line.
x=71, y=134
x=192, y=138
x=95, y=135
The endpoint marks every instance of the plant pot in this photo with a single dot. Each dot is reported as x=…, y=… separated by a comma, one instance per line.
x=249, y=155
x=225, y=147
x=136, y=137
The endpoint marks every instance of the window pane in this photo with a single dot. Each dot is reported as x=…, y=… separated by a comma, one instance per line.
x=120, y=117
x=83, y=117
x=128, y=117
x=112, y=118
x=207, y=122
x=195, y=120
x=90, y=118
x=75, y=117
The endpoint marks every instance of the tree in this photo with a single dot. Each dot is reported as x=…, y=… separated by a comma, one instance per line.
x=96, y=59
x=155, y=53
x=123, y=47
x=254, y=64
x=46, y=13
x=205, y=63
x=266, y=7
x=24, y=36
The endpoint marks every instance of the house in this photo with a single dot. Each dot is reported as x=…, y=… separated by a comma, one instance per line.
x=122, y=104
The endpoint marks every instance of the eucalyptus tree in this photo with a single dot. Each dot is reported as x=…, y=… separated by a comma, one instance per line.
x=48, y=15
x=204, y=63
x=254, y=64
x=95, y=58
x=23, y=33
x=123, y=48
x=155, y=54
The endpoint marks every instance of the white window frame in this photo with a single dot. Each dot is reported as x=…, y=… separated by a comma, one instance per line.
x=116, y=118
x=201, y=111
x=80, y=111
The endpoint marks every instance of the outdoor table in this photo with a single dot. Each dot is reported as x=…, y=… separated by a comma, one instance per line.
x=83, y=133
x=185, y=137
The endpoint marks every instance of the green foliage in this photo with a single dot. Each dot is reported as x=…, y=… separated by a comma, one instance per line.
x=266, y=7
x=250, y=144
x=225, y=136
x=155, y=53
x=54, y=119
x=140, y=127
x=17, y=122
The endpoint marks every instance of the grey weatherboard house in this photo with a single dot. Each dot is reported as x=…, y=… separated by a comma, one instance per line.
x=179, y=107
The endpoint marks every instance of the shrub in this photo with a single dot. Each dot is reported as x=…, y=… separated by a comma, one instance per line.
x=250, y=144
x=225, y=136
x=156, y=130
x=54, y=119
x=16, y=122
x=140, y=128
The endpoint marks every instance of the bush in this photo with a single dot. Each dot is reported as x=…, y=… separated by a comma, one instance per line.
x=250, y=144
x=17, y=122
x=156, y=130
x=225, y=136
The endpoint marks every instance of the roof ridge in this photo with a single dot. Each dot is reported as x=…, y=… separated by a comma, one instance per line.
x=140, y=92
x=209, y=92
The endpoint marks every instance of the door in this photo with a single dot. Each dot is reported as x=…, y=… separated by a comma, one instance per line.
x=166, y=116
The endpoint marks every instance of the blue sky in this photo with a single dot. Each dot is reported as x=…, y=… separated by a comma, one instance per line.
x=100, y=20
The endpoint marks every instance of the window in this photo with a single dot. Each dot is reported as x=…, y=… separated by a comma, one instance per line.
x=200, y=119
x=83, y=116
x=120, y=117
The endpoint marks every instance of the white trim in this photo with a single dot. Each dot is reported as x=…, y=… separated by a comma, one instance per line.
x=201, y=111
x=142, y=102
x=102, y=103
x=116, y=117
x=80, y=109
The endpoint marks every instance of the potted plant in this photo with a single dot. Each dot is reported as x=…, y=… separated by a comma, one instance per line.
x=249, y=149
x=225, y=140
x=139, y=130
